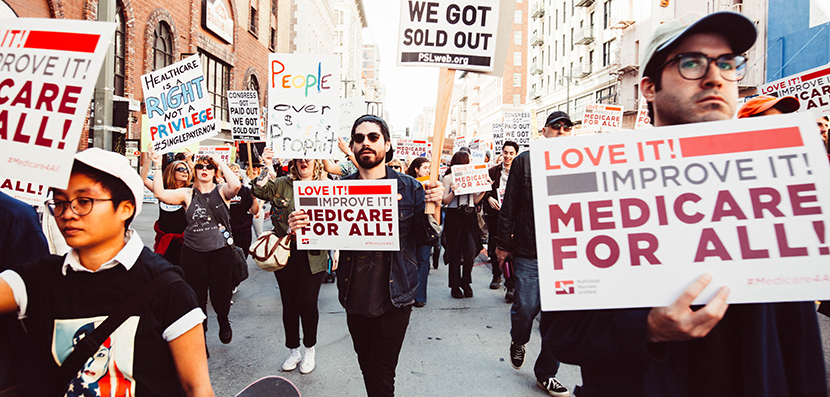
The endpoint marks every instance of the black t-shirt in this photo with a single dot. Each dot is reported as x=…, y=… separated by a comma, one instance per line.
x=369, y=288
x=241, y=220
x=136, y=360
x=171, y=218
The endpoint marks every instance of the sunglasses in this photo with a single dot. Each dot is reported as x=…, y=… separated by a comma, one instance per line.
x=395, y=167
x=558, y=126
x=181, y=169
x=204, y=166
x=373, y=137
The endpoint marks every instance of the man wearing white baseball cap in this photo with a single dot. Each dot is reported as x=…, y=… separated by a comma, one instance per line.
x=690, y=74
x=158, y=349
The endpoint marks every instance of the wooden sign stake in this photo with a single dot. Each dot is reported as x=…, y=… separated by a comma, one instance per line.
x=442, y=111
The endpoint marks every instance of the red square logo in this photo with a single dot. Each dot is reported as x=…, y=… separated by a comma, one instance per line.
x=564, y=287
x=305, y=241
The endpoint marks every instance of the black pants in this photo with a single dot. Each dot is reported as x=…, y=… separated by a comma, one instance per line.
x=298, y=291
x=377, y=342
x=493, y=225
x=212, y=271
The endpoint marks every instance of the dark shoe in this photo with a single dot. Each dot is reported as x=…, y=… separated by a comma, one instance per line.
x=456, y=293
x=420, y=304
x=496, y=282
x=553, y=387
x=435, y=264
x=508, y=297
x=517, y=355
x=468, y=291
x=225, y=332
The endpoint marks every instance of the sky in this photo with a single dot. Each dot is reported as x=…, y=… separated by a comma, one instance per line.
x=408, y=89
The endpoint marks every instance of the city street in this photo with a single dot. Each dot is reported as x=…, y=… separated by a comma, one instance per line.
x=452, y=346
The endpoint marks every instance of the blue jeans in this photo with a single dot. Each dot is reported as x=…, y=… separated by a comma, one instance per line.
x=422, y=253
x=526, y=306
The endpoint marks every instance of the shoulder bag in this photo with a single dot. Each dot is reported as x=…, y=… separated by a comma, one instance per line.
x=270, y=252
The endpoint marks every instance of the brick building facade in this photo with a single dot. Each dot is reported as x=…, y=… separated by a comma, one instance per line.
x=153, y=34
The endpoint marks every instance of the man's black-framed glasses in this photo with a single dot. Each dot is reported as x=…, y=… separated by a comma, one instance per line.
x=695, y=65
x=79, y=205
x=559, y=126
x=373, y=137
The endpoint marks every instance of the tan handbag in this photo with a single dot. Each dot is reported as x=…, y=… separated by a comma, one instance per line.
x=270, y=252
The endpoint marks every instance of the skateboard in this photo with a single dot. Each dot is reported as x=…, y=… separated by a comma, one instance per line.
x=270, y=386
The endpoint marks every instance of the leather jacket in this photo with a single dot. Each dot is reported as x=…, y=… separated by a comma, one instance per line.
x=413, y=229
x=516, y=232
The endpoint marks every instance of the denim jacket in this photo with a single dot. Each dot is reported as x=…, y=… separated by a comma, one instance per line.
x=412, y=229
x=516, y=232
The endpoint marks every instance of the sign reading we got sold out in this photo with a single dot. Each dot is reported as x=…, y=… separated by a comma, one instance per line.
x=631, y=219
x=349, y=214
x=48, y=70
x=303, y=105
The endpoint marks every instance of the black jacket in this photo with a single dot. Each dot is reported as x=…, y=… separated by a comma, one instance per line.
x=516, y=232
x=495, y=176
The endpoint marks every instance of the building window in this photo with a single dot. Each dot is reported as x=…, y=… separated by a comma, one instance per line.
x=273, y=42
x=120, y=50
x=162, y=46
x=517, y=59
x=254, y=21
x=606, y=17
x=517, y=17
x=517, y=79
x=217, y=78
x=564, y=14
x=517, y=99
x=253, y=84
x=606, y=52
x=572, y=39
x=555, y=54
x=517, y=37
x=556, y=19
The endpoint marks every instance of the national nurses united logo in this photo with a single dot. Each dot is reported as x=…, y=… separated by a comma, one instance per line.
x=305, y=241
x=564, y=287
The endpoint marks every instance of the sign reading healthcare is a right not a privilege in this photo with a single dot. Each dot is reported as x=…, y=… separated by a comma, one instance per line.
x=631, y=219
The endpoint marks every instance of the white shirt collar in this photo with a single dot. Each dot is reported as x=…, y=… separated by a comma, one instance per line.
x=126, y=257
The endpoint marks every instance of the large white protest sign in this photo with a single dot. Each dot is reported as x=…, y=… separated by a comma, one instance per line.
x=350, y=215
x=460, y=142
x=517, y=128
x=406, y=148
x=630, y=220
x=178, y=108
x=470, y=178
x=602, y=117
x=812, y=88
x=457, y=34
x=303, y=101
x=243, y=107
x=48, y=74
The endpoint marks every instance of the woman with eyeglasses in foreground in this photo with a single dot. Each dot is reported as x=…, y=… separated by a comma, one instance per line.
x=171, y=223
x=207, y=255
x=301, y=278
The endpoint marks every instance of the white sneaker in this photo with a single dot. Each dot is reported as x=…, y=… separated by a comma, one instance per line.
x=308, y=361
x=292, y=360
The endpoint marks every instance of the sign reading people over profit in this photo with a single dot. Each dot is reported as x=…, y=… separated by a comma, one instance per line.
x=350, y=215
x=812, y=88
x=48, y=70
x=630, y=220
x=178, y=107
x=303, y=100
x=602, y=117
x=470, y=178
x=517, y=128
x=243, y=107
x=457, y=34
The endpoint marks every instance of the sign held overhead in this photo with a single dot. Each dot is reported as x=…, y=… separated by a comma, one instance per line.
x=459, y=34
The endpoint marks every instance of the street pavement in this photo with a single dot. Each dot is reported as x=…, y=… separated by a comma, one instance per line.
x=452, y=346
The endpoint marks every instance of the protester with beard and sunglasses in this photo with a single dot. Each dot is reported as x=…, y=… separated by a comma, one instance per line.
x=378, y=288
x=207, y=254
x=301, y=278
x=171, y=223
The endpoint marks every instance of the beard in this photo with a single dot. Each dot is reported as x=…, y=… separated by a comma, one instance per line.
x=371, y=160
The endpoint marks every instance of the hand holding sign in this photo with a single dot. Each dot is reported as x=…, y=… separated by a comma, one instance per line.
x=677, y=322
x=433, y=192
x=298, y=220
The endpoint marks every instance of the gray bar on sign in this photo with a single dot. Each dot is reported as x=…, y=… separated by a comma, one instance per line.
x=572, y=183
x=308, y=201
